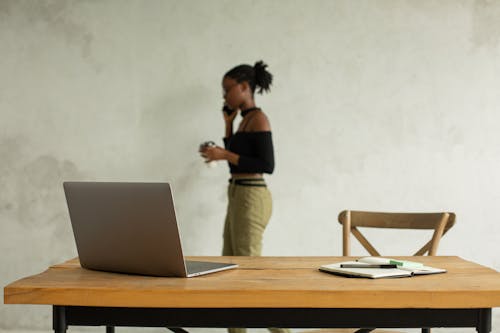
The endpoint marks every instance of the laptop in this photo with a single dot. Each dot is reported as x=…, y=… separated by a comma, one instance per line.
x=130, y=228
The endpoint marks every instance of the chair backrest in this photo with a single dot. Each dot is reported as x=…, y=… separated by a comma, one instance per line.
x=351, y=220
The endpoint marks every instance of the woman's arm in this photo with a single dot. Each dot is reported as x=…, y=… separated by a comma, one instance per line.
x=258, y=123
x=218, y=153
x=228, y=120
x=229, y=129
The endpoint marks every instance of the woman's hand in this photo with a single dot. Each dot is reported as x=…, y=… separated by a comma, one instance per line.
x=228, y=117
x=217, y=153
x=213, y=153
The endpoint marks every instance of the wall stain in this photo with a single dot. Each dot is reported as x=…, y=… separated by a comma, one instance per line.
x=40, y=196
x=32, y=193
x=486, y=23
x=32, y=198
x=10, y=155
x=5, y=8
x=60, y=19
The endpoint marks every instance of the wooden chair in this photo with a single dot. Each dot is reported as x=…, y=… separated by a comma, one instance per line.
x=352, y=220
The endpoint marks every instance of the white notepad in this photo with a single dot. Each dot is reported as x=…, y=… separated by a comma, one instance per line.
x=402, y=270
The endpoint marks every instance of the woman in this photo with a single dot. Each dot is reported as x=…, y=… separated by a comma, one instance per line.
x=249, y=152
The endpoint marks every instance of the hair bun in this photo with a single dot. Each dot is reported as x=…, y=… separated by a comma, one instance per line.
x=263, y=78
x=259, y=66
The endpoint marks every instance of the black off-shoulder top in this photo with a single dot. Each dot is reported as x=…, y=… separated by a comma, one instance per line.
x=255, y=149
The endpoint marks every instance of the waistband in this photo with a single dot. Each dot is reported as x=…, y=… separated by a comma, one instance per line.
x=259, y=182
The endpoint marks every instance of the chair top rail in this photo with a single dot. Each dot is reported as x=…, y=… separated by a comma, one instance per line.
x=396, y=220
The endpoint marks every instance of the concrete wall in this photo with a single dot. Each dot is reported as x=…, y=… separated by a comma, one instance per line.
x=376, y=105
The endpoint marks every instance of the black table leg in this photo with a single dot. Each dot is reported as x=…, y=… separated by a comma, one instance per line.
x=110, y=329
x=177, y=330
x=59, y=323
x=484, y=325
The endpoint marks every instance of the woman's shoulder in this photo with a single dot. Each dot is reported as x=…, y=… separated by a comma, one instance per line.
x=259, y=122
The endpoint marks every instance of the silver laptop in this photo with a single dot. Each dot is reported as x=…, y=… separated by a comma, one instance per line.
x=130, y=228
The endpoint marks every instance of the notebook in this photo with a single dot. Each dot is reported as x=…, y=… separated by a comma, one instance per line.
x=130, y=228
x=403, y=268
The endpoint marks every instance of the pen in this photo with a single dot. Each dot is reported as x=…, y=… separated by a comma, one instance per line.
x=368, y=266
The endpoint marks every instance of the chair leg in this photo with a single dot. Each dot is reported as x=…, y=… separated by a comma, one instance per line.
x=426, y=330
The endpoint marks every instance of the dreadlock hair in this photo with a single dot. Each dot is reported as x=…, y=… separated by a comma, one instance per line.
x=256, y=76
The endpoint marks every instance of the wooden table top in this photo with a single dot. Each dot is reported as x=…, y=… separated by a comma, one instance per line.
x=259, y=282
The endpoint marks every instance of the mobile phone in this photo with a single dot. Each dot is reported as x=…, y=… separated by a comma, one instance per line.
x=228, y=110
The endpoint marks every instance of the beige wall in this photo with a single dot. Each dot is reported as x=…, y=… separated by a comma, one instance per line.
x=378, y=105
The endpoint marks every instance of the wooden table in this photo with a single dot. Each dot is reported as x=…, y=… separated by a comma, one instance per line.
x=265, y=292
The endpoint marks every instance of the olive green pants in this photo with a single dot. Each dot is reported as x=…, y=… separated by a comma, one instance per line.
x=248, y=212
